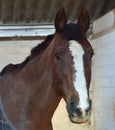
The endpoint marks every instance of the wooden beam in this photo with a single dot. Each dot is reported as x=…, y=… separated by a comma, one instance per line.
x=17, y=38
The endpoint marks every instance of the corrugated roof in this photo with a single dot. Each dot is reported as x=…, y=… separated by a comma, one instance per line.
x=43, y=11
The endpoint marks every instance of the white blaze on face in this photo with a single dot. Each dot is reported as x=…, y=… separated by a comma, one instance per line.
x=79, y=82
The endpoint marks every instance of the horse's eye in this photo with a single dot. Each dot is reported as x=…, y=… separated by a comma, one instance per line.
x=90, y=54
x=88, y=57
x=57, y=55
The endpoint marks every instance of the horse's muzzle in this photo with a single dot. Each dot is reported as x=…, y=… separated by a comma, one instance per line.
x=76, y=114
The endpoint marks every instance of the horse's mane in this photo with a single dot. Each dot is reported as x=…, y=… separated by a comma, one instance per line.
x=34, y=52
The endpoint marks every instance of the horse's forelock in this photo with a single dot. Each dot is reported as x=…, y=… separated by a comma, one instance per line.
x=73, y=31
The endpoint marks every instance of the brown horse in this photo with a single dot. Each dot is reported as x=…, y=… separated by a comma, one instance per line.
x=58, y=68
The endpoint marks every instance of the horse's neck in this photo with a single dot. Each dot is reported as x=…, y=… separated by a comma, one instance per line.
x=34, y=95
x=43, y=101
x=38, y=72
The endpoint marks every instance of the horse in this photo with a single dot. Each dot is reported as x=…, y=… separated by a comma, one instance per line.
x=59, y=67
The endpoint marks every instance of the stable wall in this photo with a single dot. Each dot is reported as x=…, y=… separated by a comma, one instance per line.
x=103, y=72
x=15, y=51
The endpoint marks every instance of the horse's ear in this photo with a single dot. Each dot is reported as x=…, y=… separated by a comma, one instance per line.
x=83, y=19
x=60, y=20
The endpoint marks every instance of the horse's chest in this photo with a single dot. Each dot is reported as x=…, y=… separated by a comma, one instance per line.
x=4, y=122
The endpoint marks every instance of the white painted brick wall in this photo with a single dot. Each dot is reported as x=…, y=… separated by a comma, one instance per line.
x=14, y=51
x=103, y=78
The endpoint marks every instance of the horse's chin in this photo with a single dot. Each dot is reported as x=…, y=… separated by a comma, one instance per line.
x=78, y=120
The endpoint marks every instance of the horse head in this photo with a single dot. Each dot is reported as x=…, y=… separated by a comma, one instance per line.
x=72, y=64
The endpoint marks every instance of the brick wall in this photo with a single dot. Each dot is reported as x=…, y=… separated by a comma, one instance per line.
x=14, y=51
x=103, y=72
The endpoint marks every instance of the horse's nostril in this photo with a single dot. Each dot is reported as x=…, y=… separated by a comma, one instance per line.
x=78, y=110
x=73, y=106
x=90, y=102
x=74, y=109
x=89, y=108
